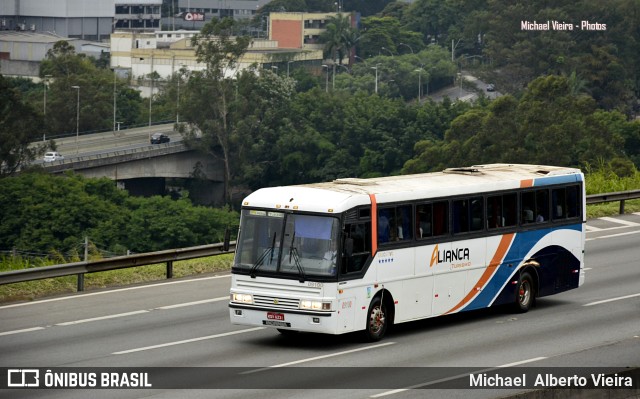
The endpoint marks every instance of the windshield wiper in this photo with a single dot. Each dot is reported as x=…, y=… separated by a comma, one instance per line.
x=293, y=252
x=267, y=251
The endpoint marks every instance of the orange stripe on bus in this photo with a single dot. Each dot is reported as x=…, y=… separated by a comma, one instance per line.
x=526, y=183
x=374, y=225
x=504, y=245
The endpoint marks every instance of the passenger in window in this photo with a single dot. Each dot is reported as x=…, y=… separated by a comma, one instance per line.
x=527, y=215
x=383, y=227
x=540, y=217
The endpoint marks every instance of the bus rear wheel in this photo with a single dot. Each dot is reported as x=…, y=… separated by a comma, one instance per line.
x=377, y=321
x=525, y=295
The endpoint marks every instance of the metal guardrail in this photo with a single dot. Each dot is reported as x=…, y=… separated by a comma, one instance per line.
x=172, y=255
x=120, y=262
x=613, y=197
x=111, y=157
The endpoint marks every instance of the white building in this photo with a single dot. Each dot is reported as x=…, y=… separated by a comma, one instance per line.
x=21, y=52
x=194, y=14
x=166, y=52
x=138, y=15
x=82, y=19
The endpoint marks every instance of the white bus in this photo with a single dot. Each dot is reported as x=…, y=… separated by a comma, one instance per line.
x=362, y=254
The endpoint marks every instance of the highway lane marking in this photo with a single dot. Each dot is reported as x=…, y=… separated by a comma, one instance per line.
x=311, y=359
x=21, y=331
x=111, y=316
x=455, y=377
x=613, y=235
x=181, y=305
x=620, y=221
x=80, y=296
x=592, y=228
x=612, y=300
x=186, y=341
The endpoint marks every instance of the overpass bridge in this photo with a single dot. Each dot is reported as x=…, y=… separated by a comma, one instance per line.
x=128, y=158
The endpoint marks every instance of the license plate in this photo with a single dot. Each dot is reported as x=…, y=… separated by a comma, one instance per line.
x=275, y=316
x=276, y=323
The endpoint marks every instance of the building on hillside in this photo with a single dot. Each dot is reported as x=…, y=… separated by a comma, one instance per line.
x=137, y=15
x=21, y=52
x=194, y=14
x=302, y=30
x=166, y=52
x=81, y=19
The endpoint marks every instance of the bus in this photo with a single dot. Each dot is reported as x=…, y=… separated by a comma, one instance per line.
x=365, y=254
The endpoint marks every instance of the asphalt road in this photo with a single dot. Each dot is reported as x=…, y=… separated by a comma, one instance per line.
x=465, y=93
x=185, y=323
x=98, y=143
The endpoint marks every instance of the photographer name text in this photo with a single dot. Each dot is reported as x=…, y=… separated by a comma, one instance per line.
x=485, y=380
x=561, y=26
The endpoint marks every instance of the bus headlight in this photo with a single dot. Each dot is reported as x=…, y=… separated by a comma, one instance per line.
x=242, y=298
x=315, y=305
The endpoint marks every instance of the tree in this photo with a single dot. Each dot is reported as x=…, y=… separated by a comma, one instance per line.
x=44, y=213
x=68, y=69
x=339, y=37
x=210, y=93
x=548, y=125
x=19, y=126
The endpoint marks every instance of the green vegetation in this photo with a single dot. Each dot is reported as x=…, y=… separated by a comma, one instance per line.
x=44, y=214
x=39, y=288
x=605, y=179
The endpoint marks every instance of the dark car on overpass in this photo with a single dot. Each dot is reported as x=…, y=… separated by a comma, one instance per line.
x=159, y=138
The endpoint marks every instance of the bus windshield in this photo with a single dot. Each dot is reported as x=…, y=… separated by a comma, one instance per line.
x=272, y=242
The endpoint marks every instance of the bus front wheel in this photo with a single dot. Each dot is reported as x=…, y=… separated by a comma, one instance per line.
x=377, y=320
x=525, y=295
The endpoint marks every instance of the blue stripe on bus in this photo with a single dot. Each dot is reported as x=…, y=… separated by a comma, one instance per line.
x=547, y=181
x=522, y=244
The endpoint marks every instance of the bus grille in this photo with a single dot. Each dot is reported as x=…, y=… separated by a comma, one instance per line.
x=275, y=302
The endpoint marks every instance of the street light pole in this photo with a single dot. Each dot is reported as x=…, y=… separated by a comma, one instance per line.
x=384, y=48
x=114, y=100
x=178, y=103
x=361, y=59
x=376, y=68
x=150, y=99
x=46, y=83
x=405, y=44
x=182, y=69
x=326, y=84
x=77, y=117
x=333, y=77
x=419, y=85
x=288, y=62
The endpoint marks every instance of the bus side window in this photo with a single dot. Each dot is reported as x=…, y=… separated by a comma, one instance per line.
x=501, y=211
x=395, y=224
x=528, y=204
x=558, y=203
x=424, y=213
x=361, y=236
x=468, y=215
x=573, y=202
x=440, y=218
x=384, y=227
x=542, y=205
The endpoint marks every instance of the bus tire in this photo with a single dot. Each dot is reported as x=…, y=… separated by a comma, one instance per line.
x=377, y=320
x=525, y=293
